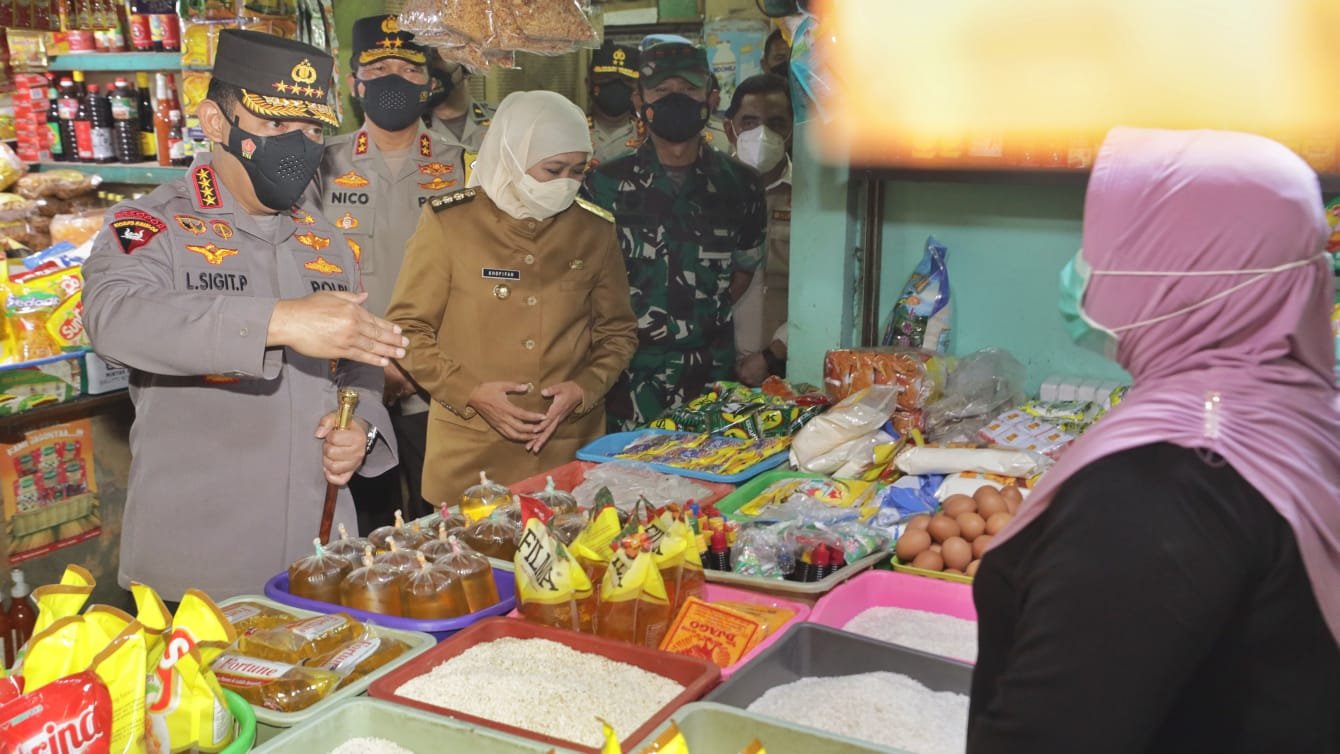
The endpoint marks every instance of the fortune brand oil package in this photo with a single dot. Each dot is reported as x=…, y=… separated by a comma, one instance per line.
x=359, y=657
x=633, y=603
x=552, y=587
x=302, y=639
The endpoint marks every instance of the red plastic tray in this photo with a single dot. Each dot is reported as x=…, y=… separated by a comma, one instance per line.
x=573, y=473
x=697, y=676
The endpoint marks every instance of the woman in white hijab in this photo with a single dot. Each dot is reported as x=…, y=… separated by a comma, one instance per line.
x=515, y=301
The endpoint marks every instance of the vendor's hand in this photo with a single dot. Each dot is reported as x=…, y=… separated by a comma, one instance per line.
x=397, y=385
x=342, y=451
x=753, y=369
x=334, y=325
x=566, y=397
x=510, y=420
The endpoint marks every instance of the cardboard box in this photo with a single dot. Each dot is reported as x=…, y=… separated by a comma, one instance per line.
x=100, y=377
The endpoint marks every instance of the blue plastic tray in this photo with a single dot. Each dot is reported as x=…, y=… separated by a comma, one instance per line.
x=603, y=450
x=277, y=590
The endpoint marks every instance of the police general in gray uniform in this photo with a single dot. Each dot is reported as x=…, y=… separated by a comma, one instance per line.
x=239, y=315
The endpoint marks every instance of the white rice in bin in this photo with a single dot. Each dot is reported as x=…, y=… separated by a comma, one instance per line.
x=370, y=746
x=545, y=687
x=938, y=634
x=887, y=708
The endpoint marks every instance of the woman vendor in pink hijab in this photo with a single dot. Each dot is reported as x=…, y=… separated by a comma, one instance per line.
x=1174, y=583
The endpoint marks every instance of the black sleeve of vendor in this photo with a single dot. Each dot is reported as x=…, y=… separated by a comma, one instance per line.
x=1160, y=604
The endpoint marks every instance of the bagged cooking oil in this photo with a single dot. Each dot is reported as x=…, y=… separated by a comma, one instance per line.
x=552, y=589
x=374, y=588
x=318, y=576
x=251, y=616
x=406, y=537
x=437, y=546
x=592, y=547
x=671, y=546
x=633, y=604
x=479, y=500
x=398, y=559
x=433, y=592
x=359, y=657
x=495, y=536
x=301, y=640
x=278, y=686
x=475, y=574
x=347, y=547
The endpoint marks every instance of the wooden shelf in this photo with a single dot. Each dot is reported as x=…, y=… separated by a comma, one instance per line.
x=115, y=172
x=13, y=427
x=116, y=61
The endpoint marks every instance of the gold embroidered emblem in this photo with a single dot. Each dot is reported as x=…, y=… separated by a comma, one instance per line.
x=323, y=266
x=212, y=254
x=312, y=240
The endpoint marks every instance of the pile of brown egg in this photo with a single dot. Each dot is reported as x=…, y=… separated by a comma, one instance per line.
x=954, y=539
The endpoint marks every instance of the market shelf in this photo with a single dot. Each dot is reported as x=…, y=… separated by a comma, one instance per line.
x=12, y=427
x=116, y=61
x=115, y=172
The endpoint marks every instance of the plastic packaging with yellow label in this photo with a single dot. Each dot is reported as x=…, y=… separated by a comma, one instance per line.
x=552, y=588
x=633, y=603
x=592, y=547
x=302, y=640
x=185, y=703
x=120, y=666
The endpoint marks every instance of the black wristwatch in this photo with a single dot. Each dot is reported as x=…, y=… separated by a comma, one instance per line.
x=372, y=438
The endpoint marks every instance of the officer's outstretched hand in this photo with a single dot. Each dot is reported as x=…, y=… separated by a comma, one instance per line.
x=513, y=422
x=342, y=451
x=566, y=397
x=334, y=325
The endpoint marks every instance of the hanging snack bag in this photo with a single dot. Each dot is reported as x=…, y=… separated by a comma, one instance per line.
x=552, y=588
x=633, y=603
x=921, y=315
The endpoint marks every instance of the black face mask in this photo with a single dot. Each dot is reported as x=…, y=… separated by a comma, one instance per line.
x=676, y=117
x=441, y=88
x=393, y=102
x=614, y=99
x=280, y=167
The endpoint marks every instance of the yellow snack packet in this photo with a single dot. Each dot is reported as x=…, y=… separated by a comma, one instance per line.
x=633, y=603
x=62, y=649
x=185, y=703
x=552, y=588
x=199, y=619
x=611, y=745
x=120, y=666
x=154, y=620
x=671, y=741
x=56, y=601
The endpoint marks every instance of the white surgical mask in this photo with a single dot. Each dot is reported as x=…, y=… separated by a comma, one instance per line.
x=544, y=199
x=761, y=148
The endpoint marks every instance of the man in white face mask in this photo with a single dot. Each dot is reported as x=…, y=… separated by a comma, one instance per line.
x=759, y=122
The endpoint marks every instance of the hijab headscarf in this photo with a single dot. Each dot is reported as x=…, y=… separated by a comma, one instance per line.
x=528, y=128
x=1247, y=375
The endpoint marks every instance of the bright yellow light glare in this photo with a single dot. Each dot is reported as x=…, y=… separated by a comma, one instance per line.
x=929, y=79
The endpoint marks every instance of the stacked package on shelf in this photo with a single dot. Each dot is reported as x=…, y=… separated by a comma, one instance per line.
x=484, y=33
x=30, y=117
x=920, y=376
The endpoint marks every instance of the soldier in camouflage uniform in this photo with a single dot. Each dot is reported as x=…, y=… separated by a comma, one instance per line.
x=691, y=224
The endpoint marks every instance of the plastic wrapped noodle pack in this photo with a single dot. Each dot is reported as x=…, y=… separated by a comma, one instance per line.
x=707, y=453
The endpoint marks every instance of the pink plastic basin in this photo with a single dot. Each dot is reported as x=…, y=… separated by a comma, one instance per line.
x=893, y=589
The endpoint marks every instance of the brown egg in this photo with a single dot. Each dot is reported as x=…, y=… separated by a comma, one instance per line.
x=954, y=571
x=934, y=547
x=918, y=522
x=996, y=523
x=957, y=553
x=970, y=525
x=942, y=527
x=1012, y=494
x=956, y=504
x=972, y=568
x=988, y=499
x=929, y=561
x=979, y=545
x=1012, y=507
x=911, y=544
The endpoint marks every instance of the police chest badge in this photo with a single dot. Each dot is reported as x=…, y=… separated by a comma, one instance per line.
x=192, y=225
x=312, y=240
x=323, y=266
x=134, y=228
x=213, y=254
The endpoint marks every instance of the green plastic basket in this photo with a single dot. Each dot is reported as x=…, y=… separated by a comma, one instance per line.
x=732, y=503
x=246, y=723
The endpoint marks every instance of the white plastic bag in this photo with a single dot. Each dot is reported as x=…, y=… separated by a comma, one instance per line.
x=816, y=446
x=927, y=460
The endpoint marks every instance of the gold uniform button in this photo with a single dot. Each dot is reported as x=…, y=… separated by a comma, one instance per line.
x=530, y=345
x=530, y=259
x=501, y=292
x=530, y=301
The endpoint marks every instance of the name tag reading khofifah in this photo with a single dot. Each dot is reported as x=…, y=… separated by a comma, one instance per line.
x=492, y=273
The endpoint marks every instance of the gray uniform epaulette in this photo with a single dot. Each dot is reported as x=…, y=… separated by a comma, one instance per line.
x=450, y=200
x=595, y=209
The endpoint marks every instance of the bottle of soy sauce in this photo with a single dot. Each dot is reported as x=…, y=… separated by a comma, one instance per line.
x=126, y=122
x=100, y=117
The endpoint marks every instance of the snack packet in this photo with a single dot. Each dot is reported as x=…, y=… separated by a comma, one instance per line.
x=552, y=588
x=633, y=604
x=921, y=315
x=120, y=666
x=74, y=712
x=185, y=702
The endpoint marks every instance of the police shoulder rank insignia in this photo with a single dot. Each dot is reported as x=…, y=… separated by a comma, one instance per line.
x=223, y=229
x=312, y=240
x=134, y=228
x=595, y=209
x=351, y=179
x=212, y=254
x=493, y=273
x=323, y=266
x=193, y=225
x=356, y=250
x=206, y=187
x=437, y=184
x=440, y=203
x=361, y=143
x=347, y=221
x=425, y=145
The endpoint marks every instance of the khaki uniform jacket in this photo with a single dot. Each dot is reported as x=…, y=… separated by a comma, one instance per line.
x=762, y=310
x=226, y=483
x=484, y=297
x=376, y=208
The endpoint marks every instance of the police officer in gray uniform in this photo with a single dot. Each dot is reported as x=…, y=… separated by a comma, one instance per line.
x=373, y=184
x=451, y=113
x=240, y=316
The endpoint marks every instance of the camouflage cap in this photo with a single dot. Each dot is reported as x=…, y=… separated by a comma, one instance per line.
x=673, y=59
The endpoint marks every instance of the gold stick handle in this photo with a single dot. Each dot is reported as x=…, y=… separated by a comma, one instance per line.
x=348, y=402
